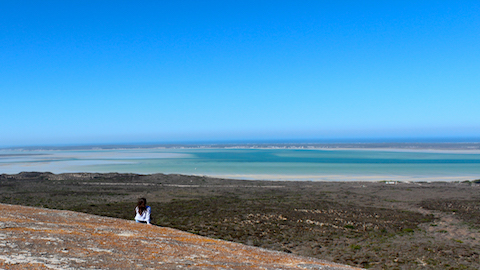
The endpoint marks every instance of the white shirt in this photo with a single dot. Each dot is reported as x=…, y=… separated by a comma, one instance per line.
x=145, y=216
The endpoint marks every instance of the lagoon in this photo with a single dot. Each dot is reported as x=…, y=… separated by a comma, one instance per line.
x=259, y=164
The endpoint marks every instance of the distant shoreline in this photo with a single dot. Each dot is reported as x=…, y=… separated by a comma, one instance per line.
x=468, y=147
x=423, y=150
x=342, y=178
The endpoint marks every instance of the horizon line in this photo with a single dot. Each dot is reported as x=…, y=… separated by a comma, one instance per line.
x=230, y=143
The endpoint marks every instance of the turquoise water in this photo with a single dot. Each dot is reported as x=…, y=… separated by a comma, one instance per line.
x=275, y=164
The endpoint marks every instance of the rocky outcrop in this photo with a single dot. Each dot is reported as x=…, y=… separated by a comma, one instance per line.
x=38, y=238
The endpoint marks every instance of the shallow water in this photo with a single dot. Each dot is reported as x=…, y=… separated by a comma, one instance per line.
x=274, y=164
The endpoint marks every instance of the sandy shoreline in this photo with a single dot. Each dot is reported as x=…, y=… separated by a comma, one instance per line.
x=346, y=178
x=443, y=151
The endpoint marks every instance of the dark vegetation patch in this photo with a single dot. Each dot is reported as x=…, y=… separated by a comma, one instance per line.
x=371, y=225
x=467, y=210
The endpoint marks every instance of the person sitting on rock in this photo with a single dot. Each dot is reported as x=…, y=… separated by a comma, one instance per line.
x=142, y=211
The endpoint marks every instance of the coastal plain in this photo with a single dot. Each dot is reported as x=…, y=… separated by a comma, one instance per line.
x=376, y=225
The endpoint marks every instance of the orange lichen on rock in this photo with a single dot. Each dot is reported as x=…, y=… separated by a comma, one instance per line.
x=37, y=238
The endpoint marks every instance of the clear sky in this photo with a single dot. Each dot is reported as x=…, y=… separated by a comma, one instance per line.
x=87, y=72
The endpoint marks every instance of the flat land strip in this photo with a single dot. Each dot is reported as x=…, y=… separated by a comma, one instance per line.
x=376, y=225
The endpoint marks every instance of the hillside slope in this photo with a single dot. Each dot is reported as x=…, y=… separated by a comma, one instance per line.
x=33, y=238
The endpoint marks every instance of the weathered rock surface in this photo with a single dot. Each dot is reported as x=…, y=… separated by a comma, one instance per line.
x=38, y=238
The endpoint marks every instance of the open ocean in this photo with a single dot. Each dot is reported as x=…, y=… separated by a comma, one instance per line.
x=261, y=164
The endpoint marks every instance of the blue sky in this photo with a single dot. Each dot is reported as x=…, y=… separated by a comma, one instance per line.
x=87, y=72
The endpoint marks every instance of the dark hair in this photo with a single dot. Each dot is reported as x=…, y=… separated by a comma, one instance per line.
x=141, y=205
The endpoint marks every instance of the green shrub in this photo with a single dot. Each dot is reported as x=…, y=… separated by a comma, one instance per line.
x=355, y=247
